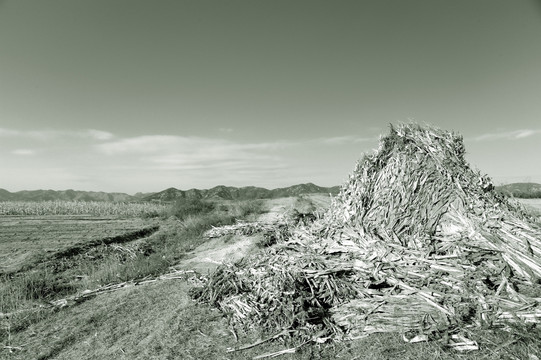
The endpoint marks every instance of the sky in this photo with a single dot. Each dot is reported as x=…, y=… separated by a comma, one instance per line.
x=139, y=95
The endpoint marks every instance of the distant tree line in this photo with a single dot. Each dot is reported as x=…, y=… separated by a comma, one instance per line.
x=527, y=195
x=523, y=194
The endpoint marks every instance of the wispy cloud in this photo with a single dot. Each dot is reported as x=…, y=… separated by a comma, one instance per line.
x=182, y=151
x=508, y=135
x=348, y=139
x=167, y=152
x=23, y=152
x=97, y=134
x=9, y=132
x=149, y=144
x=145, y=145
x=53, y=134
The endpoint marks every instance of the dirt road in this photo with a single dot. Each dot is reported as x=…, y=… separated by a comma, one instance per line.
x=232, y=248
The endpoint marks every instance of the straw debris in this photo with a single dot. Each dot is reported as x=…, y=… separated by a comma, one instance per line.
x=416, y=242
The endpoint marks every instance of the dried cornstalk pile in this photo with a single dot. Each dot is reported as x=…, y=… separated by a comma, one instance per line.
x=416, y=242
x=271, y=232
x=240, y=228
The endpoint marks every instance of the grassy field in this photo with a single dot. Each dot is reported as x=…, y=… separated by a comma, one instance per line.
x=46, y=258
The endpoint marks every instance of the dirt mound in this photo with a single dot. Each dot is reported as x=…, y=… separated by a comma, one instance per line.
x=415, y=242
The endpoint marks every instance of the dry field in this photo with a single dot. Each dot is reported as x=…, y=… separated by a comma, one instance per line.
x=47, y=259
x=27, y=240
x=158, y=319
x=533, y=205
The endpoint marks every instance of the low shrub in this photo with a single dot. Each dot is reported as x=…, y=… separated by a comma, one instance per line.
x=243, y=209
x=183, y=208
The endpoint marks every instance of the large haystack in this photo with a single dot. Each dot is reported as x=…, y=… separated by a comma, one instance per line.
x=416, y=242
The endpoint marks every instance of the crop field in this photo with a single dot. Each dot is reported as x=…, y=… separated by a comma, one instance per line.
x=27, y=240
x=87, y=208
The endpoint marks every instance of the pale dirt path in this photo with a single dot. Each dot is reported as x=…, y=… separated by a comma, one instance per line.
x=216, y=251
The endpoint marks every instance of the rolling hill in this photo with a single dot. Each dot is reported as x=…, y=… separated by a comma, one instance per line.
x=171, y=194
x=518, y=190
x=243, y=193
x=521, y=190
x=65, y=195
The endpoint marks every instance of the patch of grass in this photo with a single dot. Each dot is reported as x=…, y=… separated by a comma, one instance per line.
x=23, y=289
x=183, y=208
x=43, y=285
x=111, y=271
x=247, y=208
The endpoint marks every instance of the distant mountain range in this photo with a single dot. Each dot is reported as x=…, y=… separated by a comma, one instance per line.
x=67, y=195
x=243, y=193
x=521, y=190
x=171, y=194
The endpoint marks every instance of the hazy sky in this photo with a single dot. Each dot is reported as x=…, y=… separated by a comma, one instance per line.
x=134, y=95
